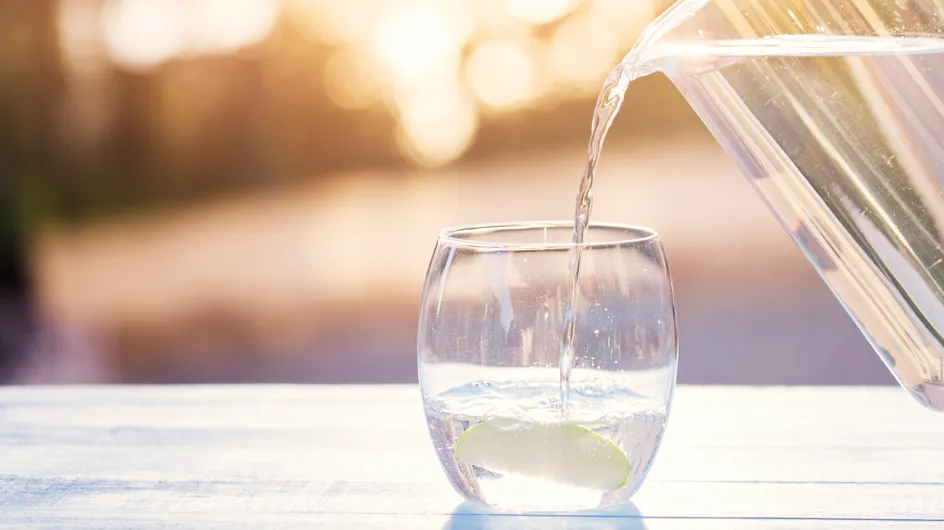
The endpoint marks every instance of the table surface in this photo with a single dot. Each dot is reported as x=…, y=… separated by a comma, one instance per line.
x=360, y=457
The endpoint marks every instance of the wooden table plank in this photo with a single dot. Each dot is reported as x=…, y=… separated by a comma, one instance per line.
x=314, y=456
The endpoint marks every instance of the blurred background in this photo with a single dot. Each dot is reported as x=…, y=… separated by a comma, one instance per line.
x=250, y=190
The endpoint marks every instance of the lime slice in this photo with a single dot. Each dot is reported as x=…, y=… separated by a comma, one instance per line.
x=563, y=453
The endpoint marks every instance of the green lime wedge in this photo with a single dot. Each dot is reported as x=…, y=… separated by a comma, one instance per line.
x=563, y=453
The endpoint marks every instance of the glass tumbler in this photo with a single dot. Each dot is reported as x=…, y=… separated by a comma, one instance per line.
x=491, y=332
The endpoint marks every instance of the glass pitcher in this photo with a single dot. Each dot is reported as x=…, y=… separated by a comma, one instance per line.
x=834, y=109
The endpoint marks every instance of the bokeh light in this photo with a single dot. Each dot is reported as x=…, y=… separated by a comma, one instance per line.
x=626, y=20
x=345, y=22
x=141, y=34
x=540, y=11
x=584, y=50
x=436, y=127
x=395, y=56
x=415, y=44
x=221, y=26
x=501, y=74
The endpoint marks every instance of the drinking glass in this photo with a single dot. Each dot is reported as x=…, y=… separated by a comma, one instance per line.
x=490, y=339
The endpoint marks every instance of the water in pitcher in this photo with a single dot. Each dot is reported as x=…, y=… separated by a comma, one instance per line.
x=841, y=135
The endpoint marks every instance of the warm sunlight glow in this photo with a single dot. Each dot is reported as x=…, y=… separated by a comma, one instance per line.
x=432, y=66
x=501, y=74
x=226, y=25
x=415, y=44
x=541, y=11
x=343, y=22
x=144, y=33
x=584, y=51
x=436, y=127
x=626, y=20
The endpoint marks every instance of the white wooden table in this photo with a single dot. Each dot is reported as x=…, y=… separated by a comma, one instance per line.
x=359, y=457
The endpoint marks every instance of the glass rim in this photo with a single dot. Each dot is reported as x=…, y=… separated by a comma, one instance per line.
x=450, y=236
